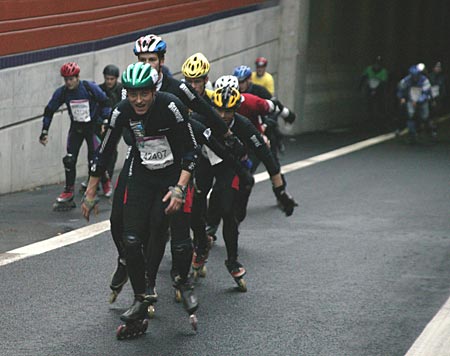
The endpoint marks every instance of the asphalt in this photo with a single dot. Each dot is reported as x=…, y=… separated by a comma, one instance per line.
x=359, y=269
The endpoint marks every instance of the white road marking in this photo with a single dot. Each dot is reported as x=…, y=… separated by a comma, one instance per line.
x=435, y=339
x=53, y=243
x=98, y=228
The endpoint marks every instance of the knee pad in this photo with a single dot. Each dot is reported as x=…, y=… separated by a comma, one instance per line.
x=69, y=162
x=131, y=242
x=181, y=247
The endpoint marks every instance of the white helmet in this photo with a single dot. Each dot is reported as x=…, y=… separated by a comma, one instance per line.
x=227, y=80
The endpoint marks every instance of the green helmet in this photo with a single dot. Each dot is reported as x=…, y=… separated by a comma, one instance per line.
x=139, y=75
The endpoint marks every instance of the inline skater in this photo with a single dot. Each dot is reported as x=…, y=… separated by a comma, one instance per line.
x=244, y=73
x=226, y=187
x=374, y=81
x=438, y=90
x=113, y=90
x=262, y=77
x=152, y=49
x=86, y=104
x=163, y=159
x=195, y=70
x=414, y=91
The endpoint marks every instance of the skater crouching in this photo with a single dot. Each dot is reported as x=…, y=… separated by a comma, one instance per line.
x=163, y=159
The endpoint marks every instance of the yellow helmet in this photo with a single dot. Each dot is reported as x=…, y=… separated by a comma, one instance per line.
x=226, y=98
x=196, y=66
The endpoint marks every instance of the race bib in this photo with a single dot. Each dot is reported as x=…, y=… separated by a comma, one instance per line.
x=155, y=152
x=435, y=91
x=414, y=93
x=212, y=157
x=80, y=110
x=374, y=83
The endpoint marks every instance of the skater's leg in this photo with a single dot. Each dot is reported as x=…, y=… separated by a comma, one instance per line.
x=156, y=246
x=74, y=142
x=203, y=183
x=181, y=243
x=141, y=195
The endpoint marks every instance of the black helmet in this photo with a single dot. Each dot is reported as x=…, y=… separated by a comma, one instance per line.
x=111, y=69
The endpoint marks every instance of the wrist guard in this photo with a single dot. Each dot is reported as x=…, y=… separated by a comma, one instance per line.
x=44, y=134
x=286, y=202
x=178, y=192
x=90, y=203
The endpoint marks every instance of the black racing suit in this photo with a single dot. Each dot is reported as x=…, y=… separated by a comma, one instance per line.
x=163, y=146
x=196, y=103
x=212, y=152
x=229, y=196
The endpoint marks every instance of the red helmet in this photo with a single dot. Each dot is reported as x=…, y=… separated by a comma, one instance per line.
x=261, y=62
x=70, y=69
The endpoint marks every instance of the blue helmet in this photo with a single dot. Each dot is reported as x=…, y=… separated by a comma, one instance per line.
x=414, y=70
x=242, y=72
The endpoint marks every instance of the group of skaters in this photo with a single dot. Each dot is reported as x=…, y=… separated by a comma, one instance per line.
x=185, y=143
x=421, y=97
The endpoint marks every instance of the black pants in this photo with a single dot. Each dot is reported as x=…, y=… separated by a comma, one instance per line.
x=203, y=182
x=78, y=133
x=139, y=225
x=227, y=203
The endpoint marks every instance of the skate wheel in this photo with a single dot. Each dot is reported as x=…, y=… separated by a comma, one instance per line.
x=144, y=326
x=113, y=297
x=178, y=298
x=151, y=311
x=194, y=321
x=242, y=285
x=120, y=333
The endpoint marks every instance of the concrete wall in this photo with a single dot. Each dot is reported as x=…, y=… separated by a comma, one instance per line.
x=25, y=164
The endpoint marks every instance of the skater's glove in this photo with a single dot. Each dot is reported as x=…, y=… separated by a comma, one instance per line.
x=87, y=205
x=235, y=146
x=43, y=138
x=290, y=118
x=246, y=180
x=177, y=197
x=287, y=203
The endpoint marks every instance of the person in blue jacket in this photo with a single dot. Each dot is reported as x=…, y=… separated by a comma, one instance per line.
x=414, y=91
x=87, y=104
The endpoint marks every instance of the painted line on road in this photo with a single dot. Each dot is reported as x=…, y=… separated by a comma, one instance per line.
x=98, y=228
x=327, y=156
x=54, y=243
x=435, y=338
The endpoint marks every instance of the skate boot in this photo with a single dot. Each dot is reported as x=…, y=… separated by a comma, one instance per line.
x=237, y=271
x=135, y=319
x=151, y=297
x=107, y=188
x=211, y=231
x=118, y=280
x=64, y=202
x=199, y=259
x=190, y=302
